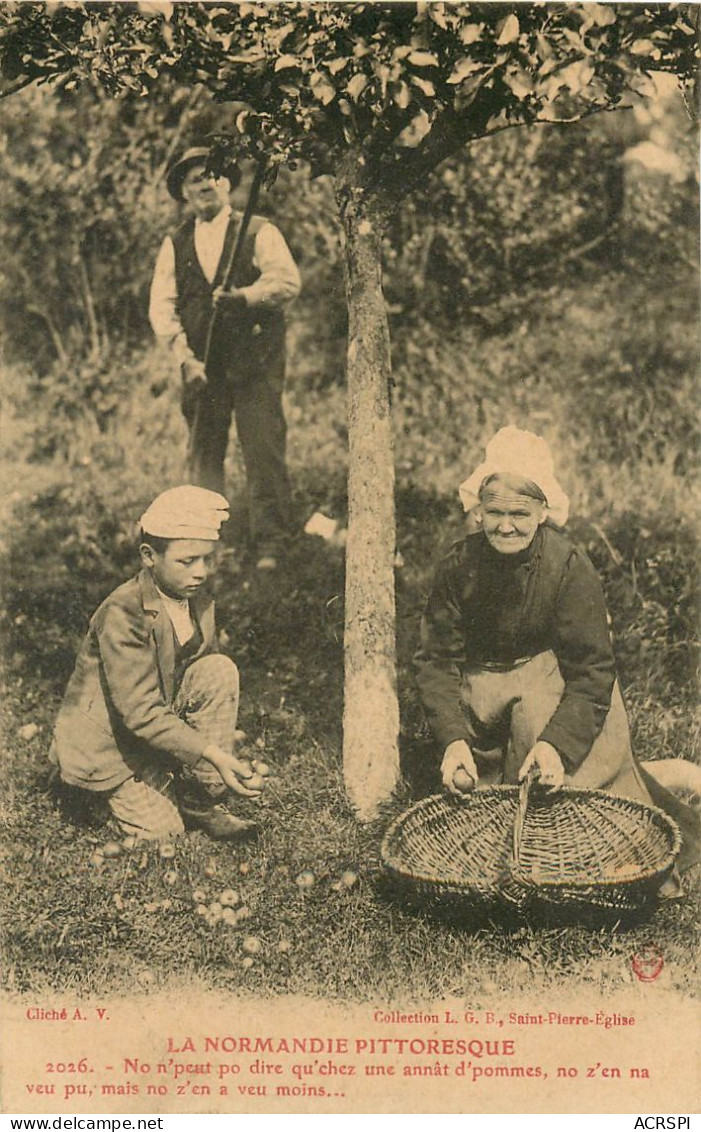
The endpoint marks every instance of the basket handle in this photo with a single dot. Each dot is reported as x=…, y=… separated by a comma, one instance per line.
x=520, y=818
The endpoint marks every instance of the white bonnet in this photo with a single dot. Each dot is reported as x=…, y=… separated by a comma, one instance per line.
x=513, y=451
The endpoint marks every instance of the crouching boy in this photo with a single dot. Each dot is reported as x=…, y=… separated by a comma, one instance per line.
x=149, y=714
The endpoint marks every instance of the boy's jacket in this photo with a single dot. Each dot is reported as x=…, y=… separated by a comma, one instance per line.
x=117, y=716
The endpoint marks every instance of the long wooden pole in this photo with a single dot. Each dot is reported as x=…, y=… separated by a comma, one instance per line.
x=231, y=266
x=236, y=250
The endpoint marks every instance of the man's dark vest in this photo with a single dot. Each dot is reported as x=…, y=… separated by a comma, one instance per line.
x=245, y=343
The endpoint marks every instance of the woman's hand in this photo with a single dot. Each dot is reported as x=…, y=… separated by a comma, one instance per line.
x=234, y=772
x=544, y=756
x=458, y=770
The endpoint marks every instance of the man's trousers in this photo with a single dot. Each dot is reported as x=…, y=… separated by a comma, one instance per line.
x=146, y=805
x=256, y=402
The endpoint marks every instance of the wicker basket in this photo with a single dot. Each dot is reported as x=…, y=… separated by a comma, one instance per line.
x=530, y=848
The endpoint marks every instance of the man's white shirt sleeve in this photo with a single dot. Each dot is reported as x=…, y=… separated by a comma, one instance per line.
x=162, y=310
x=279, y=281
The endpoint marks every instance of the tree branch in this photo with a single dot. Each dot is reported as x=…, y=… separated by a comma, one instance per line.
x=449, y=133
x=17, y=85
x=53, y=330
x=402, y=173
x=89, y=303
x=387, y=131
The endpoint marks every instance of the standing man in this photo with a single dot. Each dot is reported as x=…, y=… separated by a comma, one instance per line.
x=246, y=359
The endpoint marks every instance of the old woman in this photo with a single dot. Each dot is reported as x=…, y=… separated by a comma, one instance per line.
x=515, y=667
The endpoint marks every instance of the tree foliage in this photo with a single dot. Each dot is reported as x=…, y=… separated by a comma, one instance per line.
x=384, y=88
x=401, y=85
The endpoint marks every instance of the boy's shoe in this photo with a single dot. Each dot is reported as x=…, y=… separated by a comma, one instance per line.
x=219, y=823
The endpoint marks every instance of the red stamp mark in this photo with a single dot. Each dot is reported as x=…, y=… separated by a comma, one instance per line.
x=648, y=964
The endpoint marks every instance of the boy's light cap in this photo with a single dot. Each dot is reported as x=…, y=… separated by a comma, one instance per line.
x=186, y=512
x=513, y=451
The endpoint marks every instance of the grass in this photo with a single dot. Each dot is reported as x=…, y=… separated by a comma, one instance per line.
x=77, y=925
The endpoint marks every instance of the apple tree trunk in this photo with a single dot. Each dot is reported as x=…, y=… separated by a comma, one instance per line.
x=371, y=709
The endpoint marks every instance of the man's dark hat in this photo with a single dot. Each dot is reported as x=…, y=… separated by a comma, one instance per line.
x=196, y=155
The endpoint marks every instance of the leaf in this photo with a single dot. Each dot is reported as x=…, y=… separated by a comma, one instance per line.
x=467, y=90
x=423, y=84
x=252, y=57
x=383, y=73
x=551, y=86
x=519, y=83
x=323, y=89
x=548, y=113
x=498, y=121
x=577, y=76
x=423, y=59
x=462, y=69
x=286, y=61
x=401, y=95
x=357, y=85
x=337, y=65
x=601, y=15
x=509, y=30
x=644, y=85
x=277, y=36
x=437, y=14
x=574, y=38
x=642, y=47
x=416, y=131
x=545, y=50
x=470, y=33
x=156, y=8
